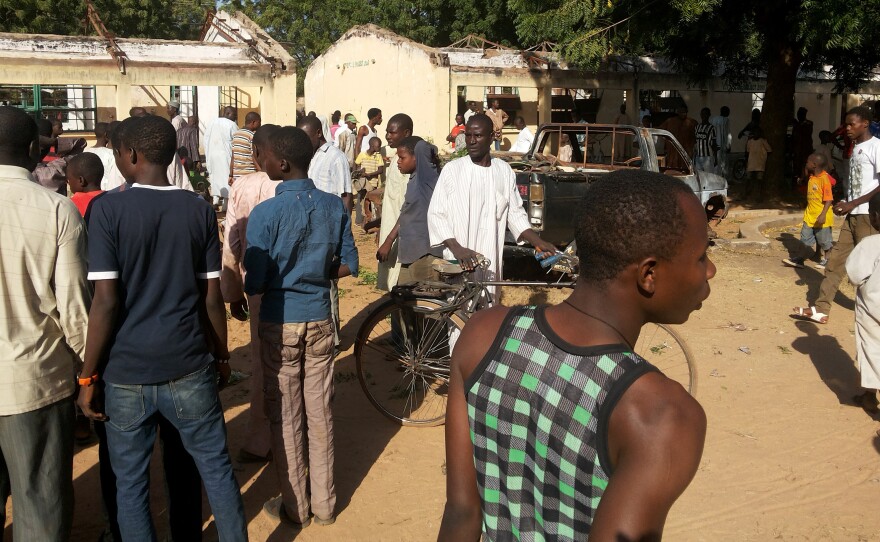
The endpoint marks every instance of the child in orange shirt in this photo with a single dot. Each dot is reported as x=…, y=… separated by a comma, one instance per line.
x=818, y=218
x=84, y=174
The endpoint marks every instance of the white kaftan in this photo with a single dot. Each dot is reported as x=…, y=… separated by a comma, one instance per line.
x=218, y=154
x=861, y=266
x=475, y=205
x=392, y=201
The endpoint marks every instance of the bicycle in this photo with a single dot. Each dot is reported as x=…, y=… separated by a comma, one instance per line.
x=403, y=348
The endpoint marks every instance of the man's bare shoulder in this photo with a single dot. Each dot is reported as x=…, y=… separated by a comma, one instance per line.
x=477, y=338
x=655, y=411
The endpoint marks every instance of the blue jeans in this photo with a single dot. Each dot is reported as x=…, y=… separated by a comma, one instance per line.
x=192, y=405
x=497, y=144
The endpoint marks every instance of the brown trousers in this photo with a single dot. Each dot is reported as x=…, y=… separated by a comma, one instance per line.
x=298, y=381
x=853, y=229
x=258, y=435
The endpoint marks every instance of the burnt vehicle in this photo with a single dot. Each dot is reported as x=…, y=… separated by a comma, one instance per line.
x=566, y=158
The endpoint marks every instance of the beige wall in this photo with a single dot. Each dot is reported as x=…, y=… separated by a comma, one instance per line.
x=149, y=86
x=396, y=78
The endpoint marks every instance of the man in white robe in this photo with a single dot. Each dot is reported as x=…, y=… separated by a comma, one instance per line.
x=218, y=153
x=475, y=202
x=861, y=266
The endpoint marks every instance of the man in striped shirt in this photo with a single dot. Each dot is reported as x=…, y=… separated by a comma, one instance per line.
x=706, y=148
x=243, y=147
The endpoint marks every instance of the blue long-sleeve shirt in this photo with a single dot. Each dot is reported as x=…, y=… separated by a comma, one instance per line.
x=294, y=241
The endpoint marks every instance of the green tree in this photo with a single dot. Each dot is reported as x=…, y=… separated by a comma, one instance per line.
x=738, y=39
x=157, y=19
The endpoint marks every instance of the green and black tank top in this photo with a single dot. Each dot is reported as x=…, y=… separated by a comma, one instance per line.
x=538, y=410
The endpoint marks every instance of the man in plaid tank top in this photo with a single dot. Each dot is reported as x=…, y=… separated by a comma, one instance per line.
x=555, y=428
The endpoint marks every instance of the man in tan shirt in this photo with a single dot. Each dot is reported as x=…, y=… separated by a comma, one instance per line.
x=44, y=315
x=499, y=119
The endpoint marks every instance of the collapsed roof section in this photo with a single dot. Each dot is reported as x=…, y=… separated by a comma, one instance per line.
x=246, y=46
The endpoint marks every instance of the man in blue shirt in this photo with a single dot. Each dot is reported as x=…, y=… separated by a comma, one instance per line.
x=163, y=341
x=298, y=242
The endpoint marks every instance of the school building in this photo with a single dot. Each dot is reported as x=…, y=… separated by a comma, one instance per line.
x=89, y=79
x=372, y=67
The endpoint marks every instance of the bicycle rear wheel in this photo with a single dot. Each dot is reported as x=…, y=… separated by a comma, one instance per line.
x=667, y=351
x=403, y=360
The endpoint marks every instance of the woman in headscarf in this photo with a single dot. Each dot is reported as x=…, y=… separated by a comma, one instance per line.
x=325, y=128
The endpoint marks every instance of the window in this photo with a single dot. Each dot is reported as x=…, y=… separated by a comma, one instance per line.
x=590, y=147
x=187, y=97
x=74, y=105
x=230, y=96
x=758, y=100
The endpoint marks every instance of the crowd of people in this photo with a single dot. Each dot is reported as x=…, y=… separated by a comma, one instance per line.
x=92, y=318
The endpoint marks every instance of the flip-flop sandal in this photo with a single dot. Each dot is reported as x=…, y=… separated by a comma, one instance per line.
x=791, y=263
x=809, y=313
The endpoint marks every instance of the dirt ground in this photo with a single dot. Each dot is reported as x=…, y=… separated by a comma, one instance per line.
x=787, y=457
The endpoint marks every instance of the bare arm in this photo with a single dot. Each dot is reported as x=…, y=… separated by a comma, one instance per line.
x=348, y=201
x=215, y=326
x=102, y=320
x=656, y=434
x=362, y=131
x=385, y=250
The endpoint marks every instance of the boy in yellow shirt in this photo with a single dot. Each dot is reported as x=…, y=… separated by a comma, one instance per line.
x=818, y=218
x=372, y=167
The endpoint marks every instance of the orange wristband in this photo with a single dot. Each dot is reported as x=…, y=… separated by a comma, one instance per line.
x=86, y=382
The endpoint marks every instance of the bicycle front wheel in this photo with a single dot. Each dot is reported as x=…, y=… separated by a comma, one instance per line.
x=403, y=360
x=667, y=351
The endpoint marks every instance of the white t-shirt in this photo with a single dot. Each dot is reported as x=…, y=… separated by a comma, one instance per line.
x=524, y=141
x=864, y=172
x=330, y=171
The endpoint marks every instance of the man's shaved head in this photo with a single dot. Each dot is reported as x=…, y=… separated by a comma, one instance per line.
x=481, y=120
x=402, y=121
x=17, y=132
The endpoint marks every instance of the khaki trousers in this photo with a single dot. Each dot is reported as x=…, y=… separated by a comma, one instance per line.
x=853, y=229
x=258, y=434
x=297, y=385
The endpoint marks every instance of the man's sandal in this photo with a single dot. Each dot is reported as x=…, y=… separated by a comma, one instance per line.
x=809, y=313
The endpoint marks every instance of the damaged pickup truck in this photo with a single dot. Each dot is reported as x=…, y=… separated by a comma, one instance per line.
x=566, y=158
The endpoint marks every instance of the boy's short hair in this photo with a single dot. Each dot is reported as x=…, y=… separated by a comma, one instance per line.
x=152, y=136
x=819, y=159
x=292, y=144
x=862, y=112
x=262, y=135
x=88, y=166
x=374, y=138
x=100, y=129
x=409, y=143
x=182, y=152
x=627, y=216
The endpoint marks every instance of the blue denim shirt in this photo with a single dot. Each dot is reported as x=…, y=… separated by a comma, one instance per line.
x=294, y=241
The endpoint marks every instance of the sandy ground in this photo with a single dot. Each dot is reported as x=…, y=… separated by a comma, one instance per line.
x=786, y=457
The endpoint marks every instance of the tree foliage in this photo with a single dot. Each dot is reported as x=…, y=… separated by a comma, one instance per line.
x=159, y=19
x=735, y=39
